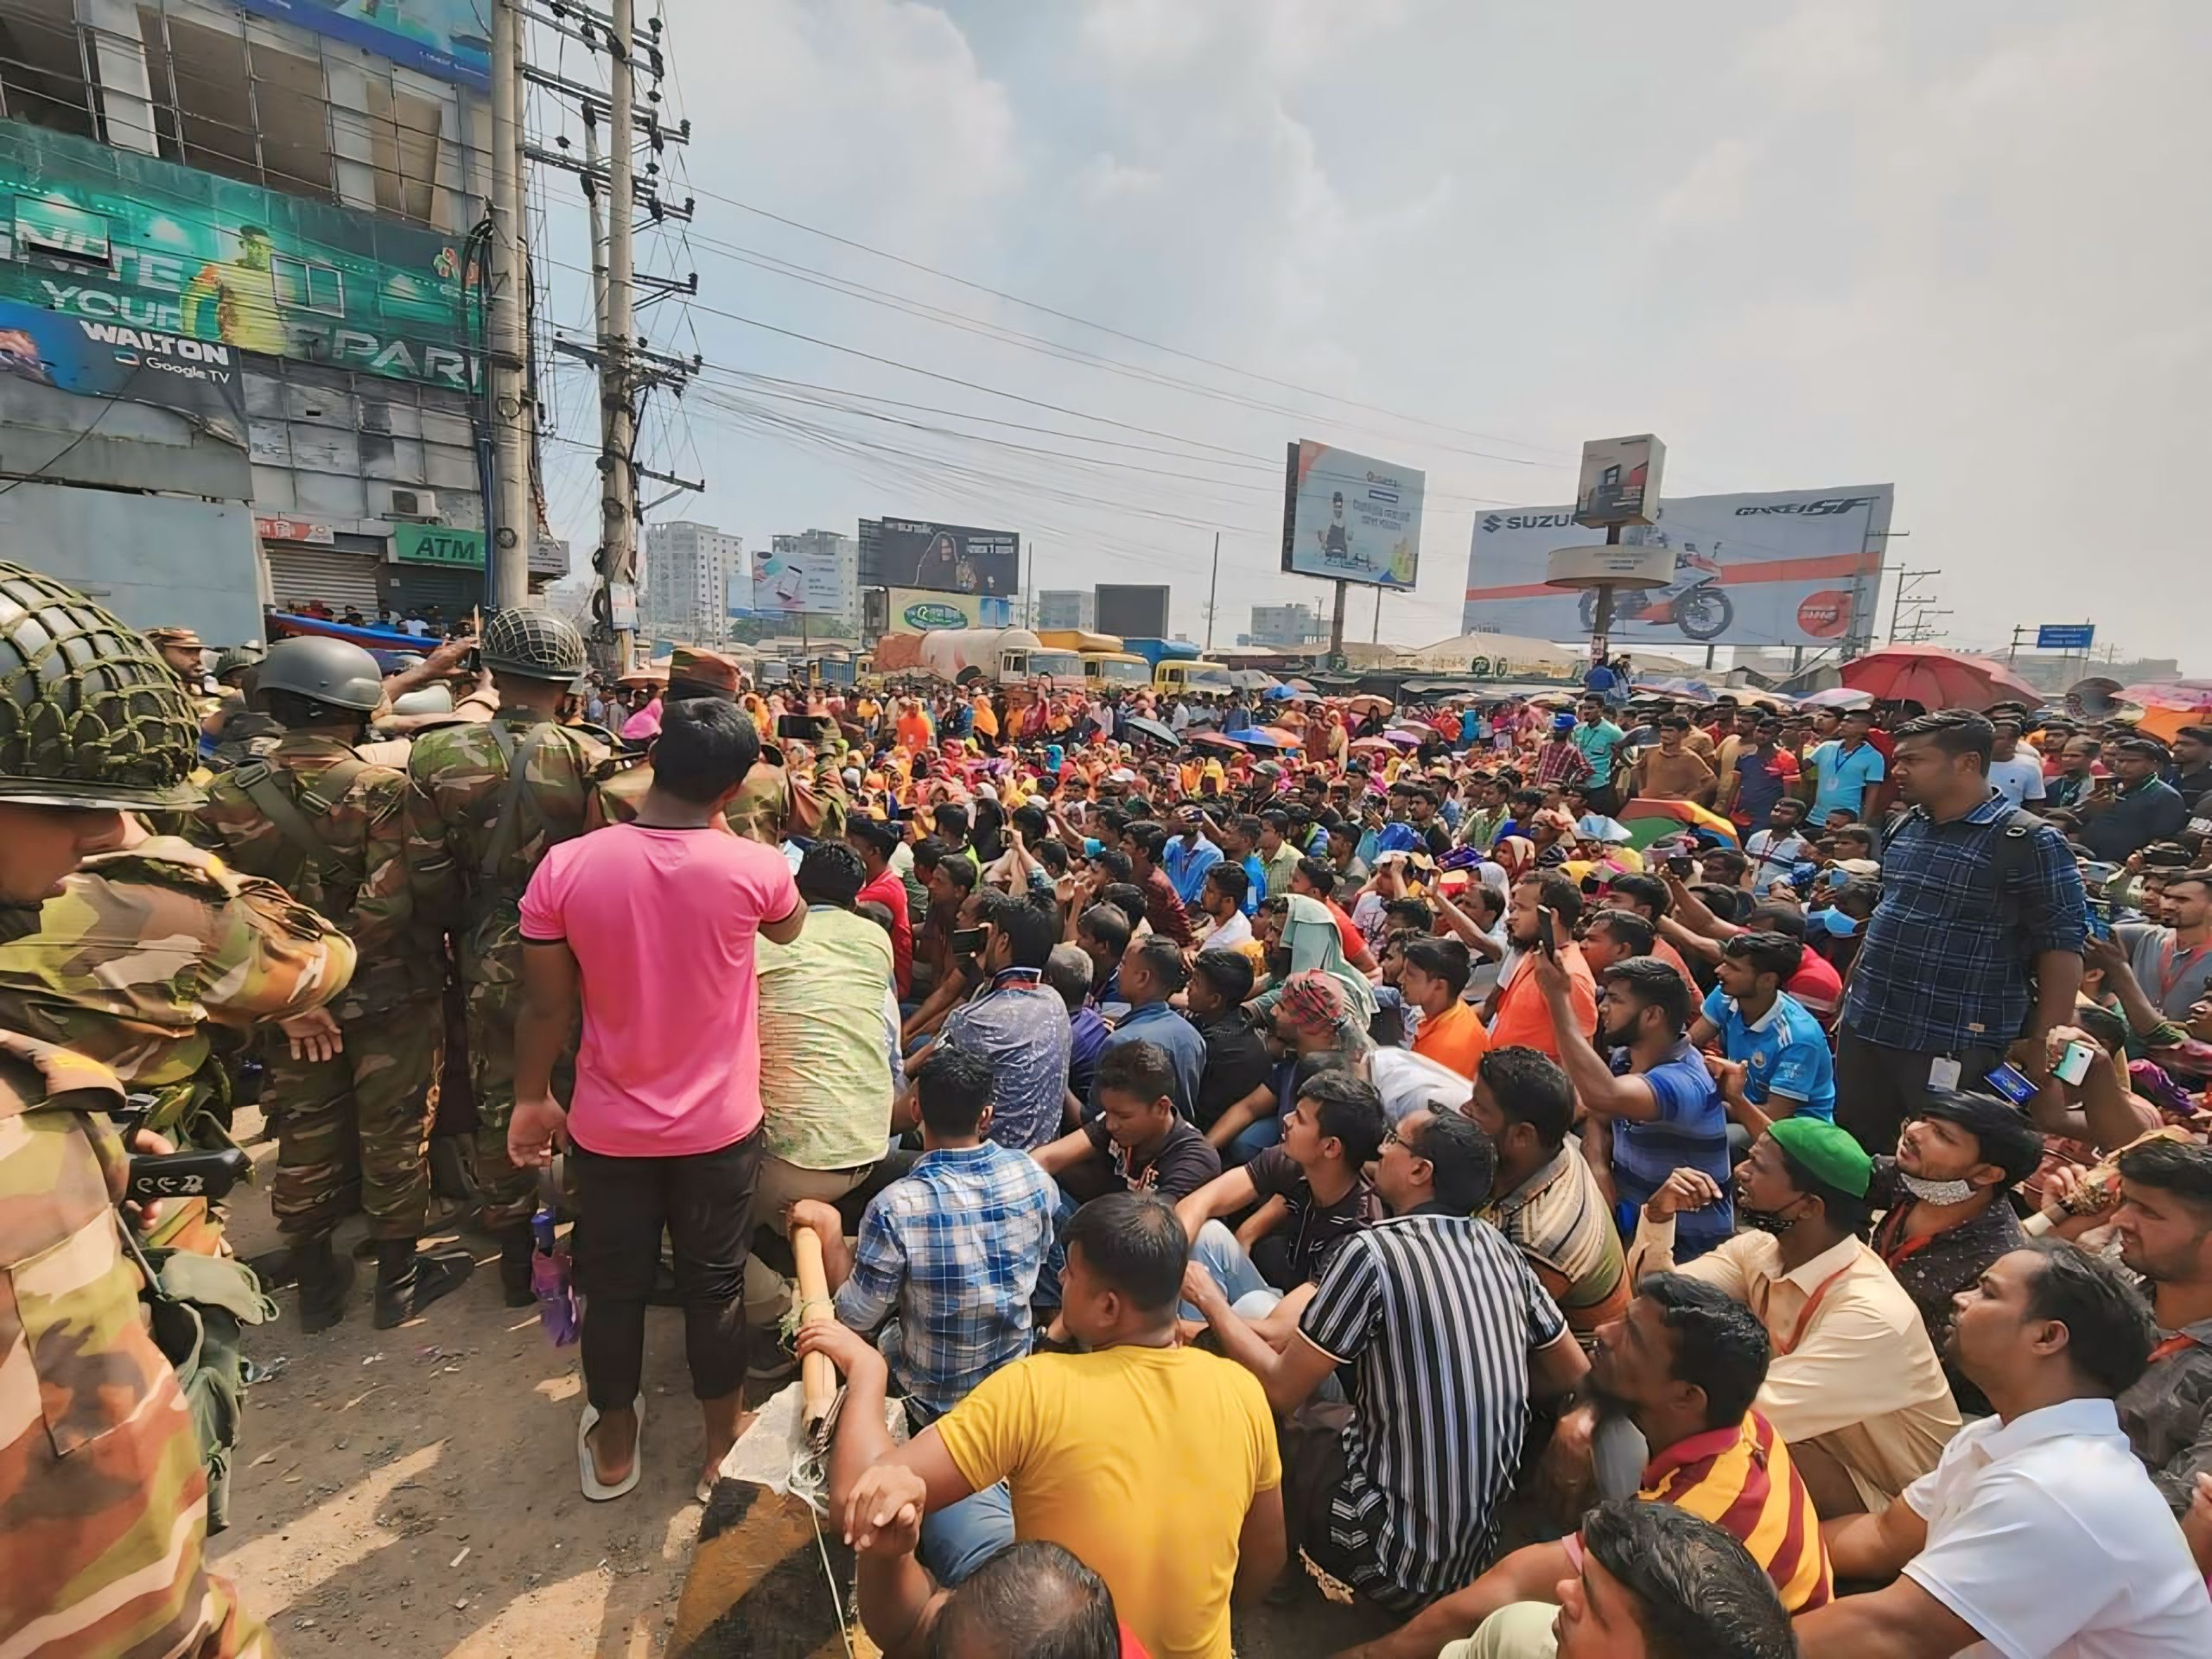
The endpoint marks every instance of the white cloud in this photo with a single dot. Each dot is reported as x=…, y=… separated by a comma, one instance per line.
x=1950, y=245
x=1712, y=192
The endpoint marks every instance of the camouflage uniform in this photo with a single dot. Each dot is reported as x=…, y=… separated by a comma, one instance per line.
x=103, y=1506
x=357, y=1124
x=142, y=952
x=458, y=779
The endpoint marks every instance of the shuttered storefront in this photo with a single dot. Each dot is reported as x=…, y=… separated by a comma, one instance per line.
x=301, y=573
x=454, y=591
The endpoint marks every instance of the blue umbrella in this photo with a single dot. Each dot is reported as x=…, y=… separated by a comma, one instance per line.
x=1278, y=694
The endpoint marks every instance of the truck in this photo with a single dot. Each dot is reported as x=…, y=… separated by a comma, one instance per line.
x=1112, y=664
x=1106, y=666
x=1177, y=667
x=1012, y=657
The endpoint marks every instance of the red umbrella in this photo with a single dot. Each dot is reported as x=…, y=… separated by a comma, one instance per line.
x=1937, y=679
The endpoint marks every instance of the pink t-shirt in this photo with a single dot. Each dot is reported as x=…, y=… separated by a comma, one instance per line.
x=661, y=923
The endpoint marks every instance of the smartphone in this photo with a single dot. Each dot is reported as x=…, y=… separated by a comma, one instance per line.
x=1681, y=866
x=2099, y=924
x=1547, y=929
x=2072, y=1064
x=967, y=941
x=2011, y=1082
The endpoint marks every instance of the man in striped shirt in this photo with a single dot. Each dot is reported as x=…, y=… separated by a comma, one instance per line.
x=1450, y=1336
x=1683, y=1364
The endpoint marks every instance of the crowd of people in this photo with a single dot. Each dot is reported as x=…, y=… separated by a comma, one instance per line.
x=1600, y=1174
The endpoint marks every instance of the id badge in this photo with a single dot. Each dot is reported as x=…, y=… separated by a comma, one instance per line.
x=1943, y=1075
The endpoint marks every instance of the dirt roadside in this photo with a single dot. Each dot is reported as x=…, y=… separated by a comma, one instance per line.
x=412, y=1494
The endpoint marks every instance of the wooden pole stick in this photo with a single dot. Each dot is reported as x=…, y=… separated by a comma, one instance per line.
x=817, y=1376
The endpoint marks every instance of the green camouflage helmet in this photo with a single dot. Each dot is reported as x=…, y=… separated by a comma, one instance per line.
x=235, y=659
x=90, y=715
x=531, y=645
x=334, y=672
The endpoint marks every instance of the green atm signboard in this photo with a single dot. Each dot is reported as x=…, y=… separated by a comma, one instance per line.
x=436, y=544
x=109, y=236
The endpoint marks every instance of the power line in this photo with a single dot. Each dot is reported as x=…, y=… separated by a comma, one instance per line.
x=1119, y=334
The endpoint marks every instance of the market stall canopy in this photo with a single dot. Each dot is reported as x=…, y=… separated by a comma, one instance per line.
x=1937, y=679
x=1501, y=654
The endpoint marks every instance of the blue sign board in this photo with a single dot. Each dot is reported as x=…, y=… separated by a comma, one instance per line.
x=2065, y=636
x=449, y=39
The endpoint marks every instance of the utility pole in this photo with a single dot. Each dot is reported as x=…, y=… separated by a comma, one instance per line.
x=1375, y=634
x=618, y=501
x=1921, y=603
x=1213, y=591
x=508, y=514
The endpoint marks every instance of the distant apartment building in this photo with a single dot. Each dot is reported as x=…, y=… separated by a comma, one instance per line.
x=1068, y=608
x=1288, y=625
x=695, y=576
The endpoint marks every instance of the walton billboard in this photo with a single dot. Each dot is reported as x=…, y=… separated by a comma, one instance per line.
x=111, y=237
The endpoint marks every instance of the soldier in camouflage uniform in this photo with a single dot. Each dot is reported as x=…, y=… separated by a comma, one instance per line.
x=187, y=659
x=623, y=781
x=484, y=802
x=103, y=1509
x=315, y=816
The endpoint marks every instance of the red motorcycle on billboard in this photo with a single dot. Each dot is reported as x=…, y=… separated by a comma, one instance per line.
x=1695, y=602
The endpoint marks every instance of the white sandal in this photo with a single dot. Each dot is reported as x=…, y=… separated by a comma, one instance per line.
x=593, y=1488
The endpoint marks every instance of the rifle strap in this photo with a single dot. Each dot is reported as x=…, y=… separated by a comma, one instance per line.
x=259, y=780
x=518, y=757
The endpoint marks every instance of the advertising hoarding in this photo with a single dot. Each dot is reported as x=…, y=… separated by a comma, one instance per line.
x=197, y=378
x=795, y=574
x=1777, y=567
x=1349, y=518
x=111, y=237
x=942, y=558
x=1134, y=613
x=2066, y=636
x=916, y=610
x=449, y=39
x=1619, y=480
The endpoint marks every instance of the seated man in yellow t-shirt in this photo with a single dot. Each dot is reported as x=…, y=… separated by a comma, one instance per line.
x=1153, y=1464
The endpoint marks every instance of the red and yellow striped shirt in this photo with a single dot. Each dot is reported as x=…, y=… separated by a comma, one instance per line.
x=1741, y=1479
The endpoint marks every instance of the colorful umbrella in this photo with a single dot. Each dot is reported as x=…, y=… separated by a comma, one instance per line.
x=1937, y=679
x=1404, y=740
x=1647, y=819
x=1372, y=746
x=1216, y=741
x=1272, y=737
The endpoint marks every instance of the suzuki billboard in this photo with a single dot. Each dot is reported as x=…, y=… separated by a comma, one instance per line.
x=1781, y=568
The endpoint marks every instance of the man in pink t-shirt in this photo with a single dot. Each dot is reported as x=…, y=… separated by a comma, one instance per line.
x=649, y=927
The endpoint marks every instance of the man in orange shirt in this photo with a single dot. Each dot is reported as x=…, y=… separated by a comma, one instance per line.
x=1521, y=1019
x=1435, y=978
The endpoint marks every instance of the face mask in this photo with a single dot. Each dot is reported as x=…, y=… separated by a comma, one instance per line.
x=1936, y=1192
x=1771, y=1221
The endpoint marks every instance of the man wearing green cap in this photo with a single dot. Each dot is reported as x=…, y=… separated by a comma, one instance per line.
x=1854, y=1386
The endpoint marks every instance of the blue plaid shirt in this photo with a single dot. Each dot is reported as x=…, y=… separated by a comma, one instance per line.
x=1944, y=965
x=953, y=1249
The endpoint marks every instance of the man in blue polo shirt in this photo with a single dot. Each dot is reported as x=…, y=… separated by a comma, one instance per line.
x=1848, y=772
x=1786, y=1069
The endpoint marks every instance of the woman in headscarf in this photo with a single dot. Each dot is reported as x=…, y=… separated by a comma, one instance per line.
x=1301, y=936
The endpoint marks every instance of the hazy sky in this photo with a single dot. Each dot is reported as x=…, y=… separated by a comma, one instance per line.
x=1962, y=247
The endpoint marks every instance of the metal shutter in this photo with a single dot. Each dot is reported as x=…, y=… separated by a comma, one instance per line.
x=300, y=574
x=453, y=592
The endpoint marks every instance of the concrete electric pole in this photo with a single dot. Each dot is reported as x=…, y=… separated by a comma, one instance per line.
x=508, y=515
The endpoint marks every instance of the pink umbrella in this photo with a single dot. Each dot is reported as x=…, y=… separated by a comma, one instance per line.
x=1937, y=679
